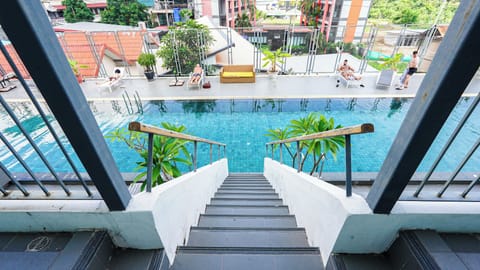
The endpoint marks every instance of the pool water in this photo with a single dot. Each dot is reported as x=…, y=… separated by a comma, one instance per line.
x=242, y=125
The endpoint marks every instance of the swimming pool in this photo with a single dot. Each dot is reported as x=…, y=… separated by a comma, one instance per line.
x=242, y=124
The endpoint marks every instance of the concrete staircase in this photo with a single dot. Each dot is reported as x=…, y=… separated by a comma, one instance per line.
x=246, y=226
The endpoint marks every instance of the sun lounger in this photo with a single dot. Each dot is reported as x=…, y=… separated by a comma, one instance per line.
x=114, y=80
x=347, y=83
x=5, y=78
x=385, y=78
x=198, y=84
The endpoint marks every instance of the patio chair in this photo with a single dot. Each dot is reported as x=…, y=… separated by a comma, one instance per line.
x=348, y=82
x=385, y=79
x=197, y=84
x=115, y=80
x=5, y=84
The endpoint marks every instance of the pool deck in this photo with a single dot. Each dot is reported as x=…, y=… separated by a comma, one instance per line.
x=286, y=86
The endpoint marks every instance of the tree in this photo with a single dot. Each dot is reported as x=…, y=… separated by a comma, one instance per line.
x=311, y=12
x=76, y=11
x=319, y=148
x=185, y=40
x=124, y=12
x=273, y=57
x=243, y=20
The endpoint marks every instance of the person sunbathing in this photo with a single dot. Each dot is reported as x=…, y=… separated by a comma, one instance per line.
x=348, y=72
x=116, y=75
x=197, y=74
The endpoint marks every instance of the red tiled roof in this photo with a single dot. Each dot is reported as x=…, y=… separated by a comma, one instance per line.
x=16, y=59
x=91, y=5
x=77, y=46
x=131, y=43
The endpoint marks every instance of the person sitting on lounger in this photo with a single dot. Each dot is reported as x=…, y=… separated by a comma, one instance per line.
x=197, y=74
x=116, y=75
x=348, y=72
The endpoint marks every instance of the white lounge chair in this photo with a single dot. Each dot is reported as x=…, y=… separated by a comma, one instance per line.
x=385, y=78
x=347, y=83
x=198, y=84
x=114, y=80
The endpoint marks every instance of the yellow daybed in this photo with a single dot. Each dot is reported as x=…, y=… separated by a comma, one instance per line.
x=237, y=74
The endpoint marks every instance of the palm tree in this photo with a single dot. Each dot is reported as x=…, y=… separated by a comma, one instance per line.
x=167, y=153
x=314, y=123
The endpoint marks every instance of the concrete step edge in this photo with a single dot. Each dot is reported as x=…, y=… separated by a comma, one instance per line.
x=247, y=250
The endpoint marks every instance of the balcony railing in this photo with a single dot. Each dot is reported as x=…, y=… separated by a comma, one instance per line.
x=152, y=131
x=347, y=132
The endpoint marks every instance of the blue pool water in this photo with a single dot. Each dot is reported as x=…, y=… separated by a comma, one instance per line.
x=241, y=124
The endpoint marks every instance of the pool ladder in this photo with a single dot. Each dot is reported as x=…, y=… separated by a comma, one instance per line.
x=129, y=105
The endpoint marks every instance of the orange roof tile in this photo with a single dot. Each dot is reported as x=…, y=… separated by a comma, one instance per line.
x=16, y=59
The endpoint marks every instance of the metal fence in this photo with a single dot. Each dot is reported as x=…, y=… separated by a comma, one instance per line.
x=99, y=52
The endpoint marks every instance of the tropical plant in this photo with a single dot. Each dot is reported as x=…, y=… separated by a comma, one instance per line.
x=76, y=11
x=167, y=153
x=124, y=12
x=243, y=21
x=74, y=66
x=392, y=62
x=271, y=58
x=311, y=12
x=318, y=148
x=184, y=42
x=185, y=14
x=147, y=61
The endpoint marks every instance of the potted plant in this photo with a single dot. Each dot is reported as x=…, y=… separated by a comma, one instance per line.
x=389, y=68
x=147, y=61
x=75, y=68
x=272, y=58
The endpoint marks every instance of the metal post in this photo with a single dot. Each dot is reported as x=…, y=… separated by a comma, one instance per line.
x=455, y=63
x=348, y=166
x=224, y=151
x=298, y=156
x=211, y=159
x=150, y=162
x=195, y=156
x=281, y=155
x=273, y=156
x=218, y=152
x=266, y=150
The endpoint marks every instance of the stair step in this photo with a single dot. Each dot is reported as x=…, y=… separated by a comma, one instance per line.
x=246, y=210
x=247, y=261
x=247, y=237
x=219, y=195
x=245, y=181
x=252, y=221
x=247, y=250
x=246, y=191
x=246, y=188
x=240, y=201
x=246, y=185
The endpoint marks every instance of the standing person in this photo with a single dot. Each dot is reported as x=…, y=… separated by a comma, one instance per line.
x=412, y=68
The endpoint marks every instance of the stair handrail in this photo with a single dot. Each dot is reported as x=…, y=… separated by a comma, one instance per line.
x=152, y=130
x=346, y=131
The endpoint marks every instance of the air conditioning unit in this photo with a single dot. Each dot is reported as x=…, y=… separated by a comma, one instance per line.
x=142, y=25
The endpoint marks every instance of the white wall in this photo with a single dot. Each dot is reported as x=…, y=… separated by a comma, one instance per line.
x=319, y=207
x=158, y=219
x=335, y=223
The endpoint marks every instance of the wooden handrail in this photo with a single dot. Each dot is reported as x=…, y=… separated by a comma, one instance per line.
x=358, y=129
x=137, y=126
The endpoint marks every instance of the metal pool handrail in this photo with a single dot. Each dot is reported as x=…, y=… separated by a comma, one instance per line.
x=346, y=131
x=151, y=131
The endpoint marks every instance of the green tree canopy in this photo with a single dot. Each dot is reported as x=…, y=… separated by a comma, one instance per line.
x=186, y=38
x=243, y=20
x=412, y=12
x=76, y=11
x=124, y=12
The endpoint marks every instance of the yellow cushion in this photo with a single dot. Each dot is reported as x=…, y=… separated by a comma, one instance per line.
x=237, y=74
